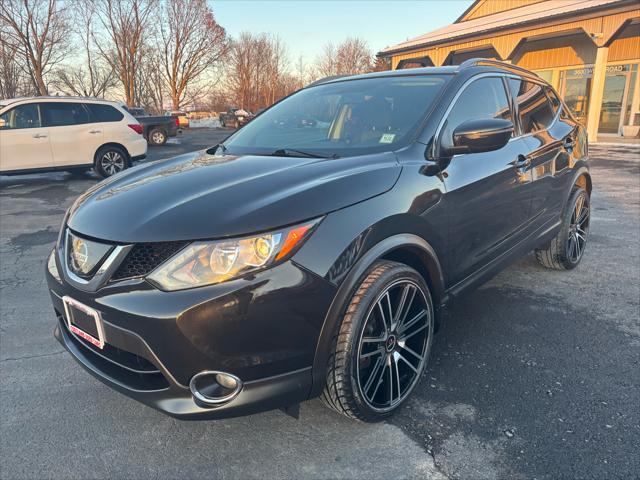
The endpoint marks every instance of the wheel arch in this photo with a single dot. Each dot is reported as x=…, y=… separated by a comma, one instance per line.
x=407, y=248
x=583, y=179
x=112, y=144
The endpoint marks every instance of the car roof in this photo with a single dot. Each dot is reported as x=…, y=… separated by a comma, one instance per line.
x=478, y=65
x=52, y=98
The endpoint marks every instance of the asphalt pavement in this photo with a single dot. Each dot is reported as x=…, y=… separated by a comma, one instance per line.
x=534, y=375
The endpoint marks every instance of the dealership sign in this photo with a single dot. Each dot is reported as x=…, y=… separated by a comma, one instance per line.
x=588, y=71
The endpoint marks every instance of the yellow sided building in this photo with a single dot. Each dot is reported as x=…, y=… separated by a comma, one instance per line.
x=589, y=50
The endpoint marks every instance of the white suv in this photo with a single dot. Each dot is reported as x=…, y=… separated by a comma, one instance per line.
x=67, y=133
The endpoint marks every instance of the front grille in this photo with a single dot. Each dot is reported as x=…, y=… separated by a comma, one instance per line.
x=145, y=257
x=131, y=370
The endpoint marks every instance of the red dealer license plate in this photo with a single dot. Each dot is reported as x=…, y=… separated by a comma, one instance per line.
x=83, y=321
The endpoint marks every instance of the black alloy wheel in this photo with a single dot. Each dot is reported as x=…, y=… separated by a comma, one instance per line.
x=566, y=249
x=383, y=344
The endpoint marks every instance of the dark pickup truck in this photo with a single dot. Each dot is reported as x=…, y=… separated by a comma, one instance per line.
x=156, y=129
x=235, y=118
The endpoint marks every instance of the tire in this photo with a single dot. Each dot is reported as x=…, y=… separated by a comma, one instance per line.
x=157, y=137
x=372, y=370
x=110, y=160
x=565, y=250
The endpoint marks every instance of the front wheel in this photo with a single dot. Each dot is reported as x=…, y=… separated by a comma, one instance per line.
x=566, y=249
x=110, y=160
x=383, y=344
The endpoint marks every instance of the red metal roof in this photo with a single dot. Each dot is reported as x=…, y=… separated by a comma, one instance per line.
x=516, y=16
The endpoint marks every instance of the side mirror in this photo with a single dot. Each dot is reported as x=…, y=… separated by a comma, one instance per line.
x=481, y=135
x=3, y=123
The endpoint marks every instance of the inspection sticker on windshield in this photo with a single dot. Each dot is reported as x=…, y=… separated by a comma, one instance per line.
x=387, y=138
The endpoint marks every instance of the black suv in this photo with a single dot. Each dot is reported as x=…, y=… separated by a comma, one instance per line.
x=311, y=252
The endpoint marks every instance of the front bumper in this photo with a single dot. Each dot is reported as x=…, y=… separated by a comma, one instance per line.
x=263, y=329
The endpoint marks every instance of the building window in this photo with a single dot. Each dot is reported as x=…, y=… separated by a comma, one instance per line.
x=546, y=75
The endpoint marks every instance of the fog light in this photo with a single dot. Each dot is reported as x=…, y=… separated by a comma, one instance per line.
x=227, y=381
x=210, y=389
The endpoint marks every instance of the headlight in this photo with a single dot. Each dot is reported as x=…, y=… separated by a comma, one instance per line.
x=52, y=267
x=206, y=263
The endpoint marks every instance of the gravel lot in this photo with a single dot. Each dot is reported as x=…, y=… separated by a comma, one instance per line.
x=535, y=374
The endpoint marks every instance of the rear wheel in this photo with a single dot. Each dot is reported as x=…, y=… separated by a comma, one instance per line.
x=110, y=160
x=566, y=249
x=383, y=343
x=157, y=136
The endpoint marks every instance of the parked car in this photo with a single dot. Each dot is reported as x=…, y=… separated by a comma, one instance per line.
x=67, y=133
x=183, y=119
x=235, y=118
x=288, y=263
x=156, y=129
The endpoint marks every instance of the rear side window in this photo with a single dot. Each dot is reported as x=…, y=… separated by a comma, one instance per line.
x=59, y=114
x=534, y=108
x=555, y=101
x=484, y=98
x=104, y=113
x=22, y=116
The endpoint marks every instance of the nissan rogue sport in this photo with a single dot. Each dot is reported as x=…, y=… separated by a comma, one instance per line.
x=311, y=252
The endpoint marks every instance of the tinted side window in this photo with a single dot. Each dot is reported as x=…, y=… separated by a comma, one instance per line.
x=483, y=98
x=104, y=113
x=534, y=108
x=22, y=116
x=58, y=114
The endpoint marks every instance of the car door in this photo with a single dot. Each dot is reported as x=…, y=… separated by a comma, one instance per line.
x=485, y=192
x=551, y=141
x=74, y=140
x=24, y=142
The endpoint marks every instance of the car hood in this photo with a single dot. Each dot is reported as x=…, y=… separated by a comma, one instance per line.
x=200, y=196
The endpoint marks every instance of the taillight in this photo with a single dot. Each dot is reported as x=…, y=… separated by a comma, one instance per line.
x=177, y=121
x=136, y=127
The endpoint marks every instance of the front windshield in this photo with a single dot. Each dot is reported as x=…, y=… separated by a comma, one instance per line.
x=345, y=118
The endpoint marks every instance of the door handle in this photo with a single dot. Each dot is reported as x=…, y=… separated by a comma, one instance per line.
x=522, y=162
x=95, y=131
x=39, y=135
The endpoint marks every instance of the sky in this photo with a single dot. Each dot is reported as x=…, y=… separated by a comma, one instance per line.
x=307, y=25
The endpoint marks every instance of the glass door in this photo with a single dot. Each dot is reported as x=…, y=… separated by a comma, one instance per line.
x=575, y=86
x=616, y=87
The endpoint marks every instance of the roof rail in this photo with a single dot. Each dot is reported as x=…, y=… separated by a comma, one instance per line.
x=478, y=62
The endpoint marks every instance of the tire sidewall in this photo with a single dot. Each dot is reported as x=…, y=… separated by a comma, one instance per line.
x=358, y=322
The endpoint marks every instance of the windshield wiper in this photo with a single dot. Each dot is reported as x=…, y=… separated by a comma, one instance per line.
x=290, y=152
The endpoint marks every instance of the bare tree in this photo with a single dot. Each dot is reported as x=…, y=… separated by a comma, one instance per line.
x=258, y=71
x=125, y=24
x=150, y=91
x=192, y=43
x=93, y=77
x=38, y=31
x=327, y=64
x=351, y=57
x=10, y=72
x=354, y=57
